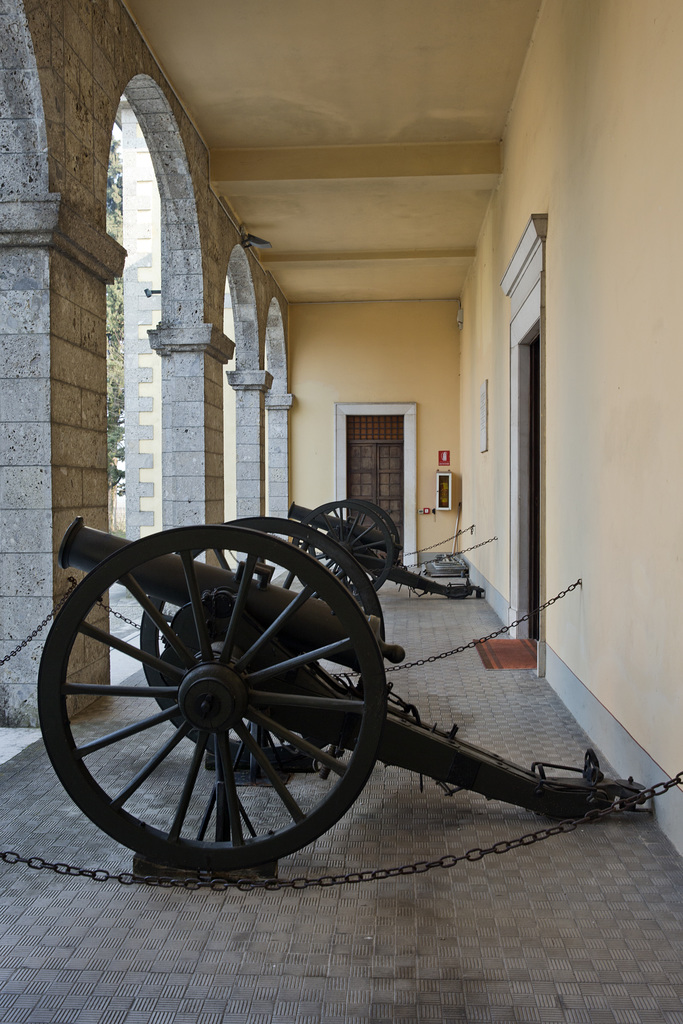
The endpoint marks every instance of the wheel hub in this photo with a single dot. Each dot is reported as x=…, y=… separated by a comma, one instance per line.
x=213, y=697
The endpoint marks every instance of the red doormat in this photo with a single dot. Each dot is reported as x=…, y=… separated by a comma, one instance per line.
x=508, y=653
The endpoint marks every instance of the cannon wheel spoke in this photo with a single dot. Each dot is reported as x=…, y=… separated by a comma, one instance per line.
x=363, y=527
x=328, y=551
x=298, y=741
x=188, y=787
x=273, y=630
x=197, y=607
x=141, y=778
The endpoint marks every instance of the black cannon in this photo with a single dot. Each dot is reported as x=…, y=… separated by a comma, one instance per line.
x=239, y=653
x=369, y=532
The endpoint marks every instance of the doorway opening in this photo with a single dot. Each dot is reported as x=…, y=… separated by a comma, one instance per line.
x=534, y=492
x=524, y=283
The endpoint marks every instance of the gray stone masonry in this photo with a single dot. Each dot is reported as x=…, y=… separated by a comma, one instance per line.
x=187, y=416
x=250, y=387
x=277, y=414
x=64, y=66
x=53, y=416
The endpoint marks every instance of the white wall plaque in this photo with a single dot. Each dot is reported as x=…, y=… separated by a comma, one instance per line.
x=484, y=417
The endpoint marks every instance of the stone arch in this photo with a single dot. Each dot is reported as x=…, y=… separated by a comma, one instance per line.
x=278, y=403
x=241, y=284
x=23, y=166
x=276, y=349
x=181, y=253
x=250, y=382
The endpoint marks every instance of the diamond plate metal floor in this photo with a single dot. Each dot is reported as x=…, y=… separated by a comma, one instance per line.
x=586, y=927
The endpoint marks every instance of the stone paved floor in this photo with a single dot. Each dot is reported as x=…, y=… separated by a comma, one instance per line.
x=586, y=927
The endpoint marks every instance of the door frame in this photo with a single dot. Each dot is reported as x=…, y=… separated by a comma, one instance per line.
x=409, y=412
x=524, y=283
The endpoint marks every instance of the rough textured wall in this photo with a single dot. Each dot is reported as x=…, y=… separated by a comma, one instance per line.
x=73, y=64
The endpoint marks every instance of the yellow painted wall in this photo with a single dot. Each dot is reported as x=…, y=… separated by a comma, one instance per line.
x=374, y=352
x=594, y=141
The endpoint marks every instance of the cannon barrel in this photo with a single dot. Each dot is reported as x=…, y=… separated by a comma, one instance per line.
x=163, y=578
x=372, y=538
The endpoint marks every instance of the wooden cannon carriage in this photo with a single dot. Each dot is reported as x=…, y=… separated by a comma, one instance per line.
x=258, y=647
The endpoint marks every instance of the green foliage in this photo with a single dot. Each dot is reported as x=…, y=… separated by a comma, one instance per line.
x=115, y=192
x=115, y=389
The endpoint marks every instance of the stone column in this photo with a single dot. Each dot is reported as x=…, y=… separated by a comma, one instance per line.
x=192, y=421
x=250, y=387
x=278, y=407
x=53, y=436
x=26, y=578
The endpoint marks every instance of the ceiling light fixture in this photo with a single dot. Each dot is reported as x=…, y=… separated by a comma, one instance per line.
x=253, y=240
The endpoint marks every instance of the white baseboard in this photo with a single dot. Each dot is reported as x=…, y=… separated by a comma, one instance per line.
x=623, y=752
x=620, y=748
x=499, y=603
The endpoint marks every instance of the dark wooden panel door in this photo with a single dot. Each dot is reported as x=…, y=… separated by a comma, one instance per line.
x=390, y=480
x=374, y=463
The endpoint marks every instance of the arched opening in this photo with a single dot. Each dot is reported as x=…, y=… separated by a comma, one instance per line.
x=229, y=414
x=180, y=249
x=278, y=403
x=191, y=351
x=244, y=315
x=116, y=391
x=250, y=383
x=138, y=295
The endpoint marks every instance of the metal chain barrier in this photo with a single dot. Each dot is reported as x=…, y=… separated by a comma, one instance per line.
x=475, y=546
x=420, y=867
x=482, y=640
x=73, y=583
x=451, y=537
x=118, y=615
x=414, y=565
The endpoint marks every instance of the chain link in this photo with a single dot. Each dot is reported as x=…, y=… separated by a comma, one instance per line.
x=475, y=546
x=73, y=583
x=430, y=547
x=449, y=860
x=481, y=544
x=483, y=639
x=118, y=615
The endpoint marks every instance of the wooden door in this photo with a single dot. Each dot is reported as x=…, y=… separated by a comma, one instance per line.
x=374, y=462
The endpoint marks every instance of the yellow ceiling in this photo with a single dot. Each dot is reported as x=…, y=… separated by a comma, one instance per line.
x=360, y=137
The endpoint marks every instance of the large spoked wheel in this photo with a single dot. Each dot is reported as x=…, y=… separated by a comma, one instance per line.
x=240, y=655
x=362, y=529
x=321, y=546
x=390, y=524
x=326, y=550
